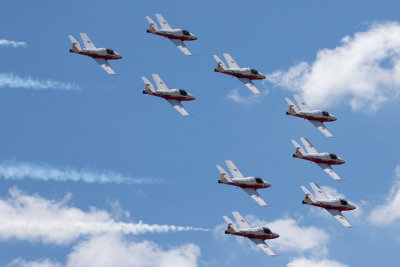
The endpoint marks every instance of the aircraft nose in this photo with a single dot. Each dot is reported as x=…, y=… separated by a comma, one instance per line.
x=276, y=235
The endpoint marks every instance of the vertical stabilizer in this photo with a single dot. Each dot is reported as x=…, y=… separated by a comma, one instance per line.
x=75, y=44
x=153, y=26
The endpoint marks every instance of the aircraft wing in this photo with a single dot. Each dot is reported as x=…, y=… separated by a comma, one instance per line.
x=178, y=106
x=254, y=195
x=309, y=147
x=240, y=220
x=320, y=126
x=339, y=216
x=231, y=63
x=181, y=46
x=160, y=83
x=163, y=23
x=302, y=104
x=249, y=84
x=233, y=169
x=87, y=42
x=261, y=244
x=104, y=64
x=319, y=194
x=328, y=169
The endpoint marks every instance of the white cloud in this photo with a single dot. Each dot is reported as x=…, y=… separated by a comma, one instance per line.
x=12, y=170
x=304, y=262
x=249, y=99
x=113, y=250
x=4, y=42
x=292, y=236
x=13, y=81
x=33, y=218
x=364, y=68
x=388, y=212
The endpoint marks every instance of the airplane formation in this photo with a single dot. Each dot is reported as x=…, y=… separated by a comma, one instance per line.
x=249, y=184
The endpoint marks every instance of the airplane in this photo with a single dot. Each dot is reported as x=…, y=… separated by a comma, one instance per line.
x=324, y=160
x=316, y=117
x=248, y=184
x=177, y=36
x=245, y=75
x=100, y=55
x=173, y=96
x=255, y=234
x=333, y=206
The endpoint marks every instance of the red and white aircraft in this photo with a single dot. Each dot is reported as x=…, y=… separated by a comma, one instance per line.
x=255, y=234
x=245, y=75
x=173, y=96
x=100, y=55
x=177, y=36
x=333, y=206
x=316, y=117
x=248, y=184
x=324, y=160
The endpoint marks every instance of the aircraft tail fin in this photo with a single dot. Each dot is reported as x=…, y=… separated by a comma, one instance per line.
x=221, y=65
x=309, y=196
x=292, y=107
x=149, y=88
x=153, y=26
x=224, y=175
x=299, y=150
x=232, y=228
x=75, y=44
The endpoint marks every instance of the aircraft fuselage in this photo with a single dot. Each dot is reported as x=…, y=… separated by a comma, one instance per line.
x=248, y=73
x=316, y=115
x=106, y=53
x=248, y=182
x=259, y=233
x=328, y=158
x=176, y=94
x=180, y=34
x=335, y=204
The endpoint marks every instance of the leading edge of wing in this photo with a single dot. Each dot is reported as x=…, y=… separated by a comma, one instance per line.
x=254, y=195
x=320, y=126
x=178, y=106
x=104, y=64
x=263, y=246
x=249, y=84
x=328, y=169
x=339, y=216
x=181, y=46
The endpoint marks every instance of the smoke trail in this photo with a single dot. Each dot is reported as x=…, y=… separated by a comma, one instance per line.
x=13, y=81
x=4, y=42
x=34, y=218
x=12, y=170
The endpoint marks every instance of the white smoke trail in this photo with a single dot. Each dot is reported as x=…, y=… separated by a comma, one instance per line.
x=12, y=170
x=34, y=218
x=13, y=81
x=4, y=42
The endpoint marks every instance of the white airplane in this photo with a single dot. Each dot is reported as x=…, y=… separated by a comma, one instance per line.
x=248, y=184
x=177, y=36
x=324, y=160
x=255, y=234
x=245, y=75
x=100, y=55
x=316, y=117
x=173, y=96
x=333, y=206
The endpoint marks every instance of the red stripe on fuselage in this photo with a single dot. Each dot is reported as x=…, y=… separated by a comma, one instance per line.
x=323, y=161
x=242, y=76
x=263, y=237
x=95, y=56
x=311, y=118
x=182, y=38
x=330, y=207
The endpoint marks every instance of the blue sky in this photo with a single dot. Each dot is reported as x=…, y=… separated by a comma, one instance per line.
x=64, y=118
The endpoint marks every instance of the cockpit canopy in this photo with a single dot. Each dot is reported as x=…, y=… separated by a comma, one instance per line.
x=333, y=156
x=267, y=231
x=185, y=32
x=259, y=180
x=253, y=71
x=110, y=51
x=325, y=113
x=343, y=201
x=183, y=92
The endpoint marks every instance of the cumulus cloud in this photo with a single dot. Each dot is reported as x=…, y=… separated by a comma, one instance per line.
x=305, y=262
x=113, y=250
x=292, y=236
x=4, y=42
x=249, y=99
x=34, y=218
x=12, y=170
x=13, y=81
x=364, y=71
x=388, y=212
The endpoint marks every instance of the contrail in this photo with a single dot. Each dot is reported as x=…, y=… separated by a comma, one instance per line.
x=12, y=170
x=34, y=218
x=13, y=81
x=4, y=42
